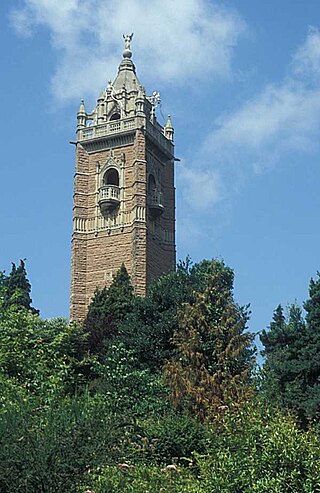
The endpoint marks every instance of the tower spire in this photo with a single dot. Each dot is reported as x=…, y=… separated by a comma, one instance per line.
x=127, y=76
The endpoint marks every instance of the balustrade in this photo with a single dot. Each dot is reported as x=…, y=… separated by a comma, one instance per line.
x=107, y=128
x=109, y=198
x=155, y=203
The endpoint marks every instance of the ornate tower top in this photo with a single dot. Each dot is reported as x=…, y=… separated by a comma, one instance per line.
x=125, y=100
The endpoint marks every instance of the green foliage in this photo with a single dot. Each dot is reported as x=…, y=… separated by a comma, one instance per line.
x=149, y=328
x=50, y=448
x=107, y=309
x=132, y=391
x=42, y=356
x=125, y=478
x=311, y=367
x=142, y=479
x=292, y=369
x=260, y=450
x=77, y=415
x=167, y=438
x=120, y=294
x=3, y=279
x=213, y=357
x=17, y=288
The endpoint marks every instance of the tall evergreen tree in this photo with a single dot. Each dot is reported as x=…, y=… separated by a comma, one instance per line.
x=292, y=366
x=108, y=309
x=312, y=350
x=213, y=354
x=18, y=288
x=120, y=295
x=276, y=336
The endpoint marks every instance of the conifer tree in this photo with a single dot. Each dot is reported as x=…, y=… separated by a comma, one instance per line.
x=18, y=288
x=120, y=294
x=312, y=350
x=213, y=354
x=292, y=366
x=276, y=336
x=108, y=308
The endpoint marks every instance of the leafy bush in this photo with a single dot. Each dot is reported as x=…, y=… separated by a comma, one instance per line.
x=130, y=389
x=170, y=438
x=43, y=356
x=142, y=479
x=50, y=448
x=258, y=450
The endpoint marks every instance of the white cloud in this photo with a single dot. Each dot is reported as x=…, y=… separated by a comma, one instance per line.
x=176, y=41
x=200, y=186
x=282, y=119
x=306, y=60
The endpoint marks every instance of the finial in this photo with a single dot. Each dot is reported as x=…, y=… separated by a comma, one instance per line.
x=82, y=107
x=127, y=47
x=168, y=129
x=169, y=122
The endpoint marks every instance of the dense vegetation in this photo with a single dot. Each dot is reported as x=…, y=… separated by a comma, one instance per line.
x=158, y=394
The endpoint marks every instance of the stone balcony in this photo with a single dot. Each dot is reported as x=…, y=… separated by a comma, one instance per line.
x=109, y=198
x=155, y=203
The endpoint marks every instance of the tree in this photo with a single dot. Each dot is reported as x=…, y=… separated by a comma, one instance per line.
x=149, y=328
x=41, y=356
x=120, y=295
x=213, y=355
x=291, y=373
x=311, y=367
x=18, y=288
x=108, y=309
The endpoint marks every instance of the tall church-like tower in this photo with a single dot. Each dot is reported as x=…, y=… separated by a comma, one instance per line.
x=124, y=196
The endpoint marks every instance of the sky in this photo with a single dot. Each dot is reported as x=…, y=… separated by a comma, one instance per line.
x=241, y=80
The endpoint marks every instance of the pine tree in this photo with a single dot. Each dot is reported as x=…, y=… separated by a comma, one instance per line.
x=120, y=294
x=213, y=354
x=276, y=336
x=311, y=353
x=18, y=288
x=108, y=308
x=292, y=367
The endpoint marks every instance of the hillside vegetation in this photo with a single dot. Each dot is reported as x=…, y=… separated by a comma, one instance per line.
x=158, y=394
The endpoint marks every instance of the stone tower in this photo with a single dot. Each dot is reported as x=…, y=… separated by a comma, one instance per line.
x=124, y=196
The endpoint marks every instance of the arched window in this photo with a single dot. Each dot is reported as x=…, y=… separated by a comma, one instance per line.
x=115, y=116
x=111, y=177
x=152, y=186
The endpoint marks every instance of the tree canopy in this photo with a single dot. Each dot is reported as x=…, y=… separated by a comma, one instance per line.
x=157, y=393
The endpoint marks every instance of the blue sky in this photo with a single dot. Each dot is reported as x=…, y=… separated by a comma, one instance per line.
x=241, y=80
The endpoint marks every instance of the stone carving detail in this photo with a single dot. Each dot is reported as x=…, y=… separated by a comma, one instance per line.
x=127, y=40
